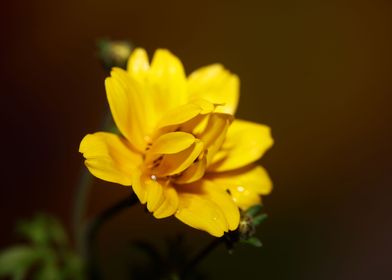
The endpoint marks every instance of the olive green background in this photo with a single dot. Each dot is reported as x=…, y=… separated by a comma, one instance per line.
x=317, y=72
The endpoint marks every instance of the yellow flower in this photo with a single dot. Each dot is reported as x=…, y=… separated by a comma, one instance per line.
x=181, y=149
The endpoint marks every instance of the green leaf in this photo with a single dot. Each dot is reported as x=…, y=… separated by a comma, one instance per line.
x=17, y=260
x=34, y=230
x=259, y=219
x=253, y=241
x=56, y=231
x=43, y=229
x=253, y=210
x=49, y=270
x=73, y=267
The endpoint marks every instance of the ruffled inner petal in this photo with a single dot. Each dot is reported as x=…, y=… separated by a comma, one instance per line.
x=215, y=133
x=173, y=164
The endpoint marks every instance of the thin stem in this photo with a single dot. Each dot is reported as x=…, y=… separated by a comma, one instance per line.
x=80, y=205
x=201, y=255
x=92, y=233
x=81, y=195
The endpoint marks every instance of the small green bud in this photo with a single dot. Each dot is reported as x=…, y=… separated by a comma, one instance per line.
x=114, y=53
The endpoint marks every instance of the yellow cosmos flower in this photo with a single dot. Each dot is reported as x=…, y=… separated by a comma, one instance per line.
x=181, y=149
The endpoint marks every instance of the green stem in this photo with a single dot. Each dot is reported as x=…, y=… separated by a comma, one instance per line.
x=92, y=231
x=80, y=206
x=81, y=195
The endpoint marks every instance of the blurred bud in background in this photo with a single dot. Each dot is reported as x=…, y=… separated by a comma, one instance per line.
x=114, y=53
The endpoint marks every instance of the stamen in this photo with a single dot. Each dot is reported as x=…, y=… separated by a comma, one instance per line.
x=157, y=160
x=148, y=147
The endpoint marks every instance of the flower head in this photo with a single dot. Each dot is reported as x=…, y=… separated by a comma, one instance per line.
x=181, y=148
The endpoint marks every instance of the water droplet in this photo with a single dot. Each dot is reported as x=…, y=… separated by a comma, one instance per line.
x=153, y=177
x=240, y=188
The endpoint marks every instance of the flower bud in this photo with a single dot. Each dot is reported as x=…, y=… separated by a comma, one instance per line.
x=114, y=53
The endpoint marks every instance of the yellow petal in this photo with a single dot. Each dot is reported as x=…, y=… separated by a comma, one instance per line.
x=109, y=158
x=154, y=192
x=179, y=115
x=167, y=80
x=215, y=133
x=201, y=213
x=138, y=64
x=138, y=186
x=193, y=172
x=217, y=85
x=245, y=143
x=225, y=202
x=207, y=207
x=148, y=190
x=173, y=164
x=185, y=113
x=170, y=204
x=127, y=107
x=138, y=68
x=245, y=184
x=160, y=196
x=172, y=142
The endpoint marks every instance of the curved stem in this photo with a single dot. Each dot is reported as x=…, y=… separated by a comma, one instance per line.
x=201, y=255
x=92, y=230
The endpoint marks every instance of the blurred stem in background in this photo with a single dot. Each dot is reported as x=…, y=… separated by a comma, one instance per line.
x=79, y=208
x=81, y=197
x=111, y=54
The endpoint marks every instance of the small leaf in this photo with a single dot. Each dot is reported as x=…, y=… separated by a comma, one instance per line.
x=253, y=241
x=35, y=229
x=43, y=229
x=259, y=219
x=73, y=267
x=49, y=270
x=56, y=231
x=17, y=260
x=253, y=210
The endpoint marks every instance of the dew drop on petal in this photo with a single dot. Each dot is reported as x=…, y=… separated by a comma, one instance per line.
x=240, y=188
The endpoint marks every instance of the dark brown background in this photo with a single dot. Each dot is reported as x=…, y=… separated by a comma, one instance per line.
x=317, y=72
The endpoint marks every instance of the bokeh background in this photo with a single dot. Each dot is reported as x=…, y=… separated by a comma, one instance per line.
x=317, y=72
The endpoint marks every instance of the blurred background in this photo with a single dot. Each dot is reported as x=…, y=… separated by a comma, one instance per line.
x=317, y=72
